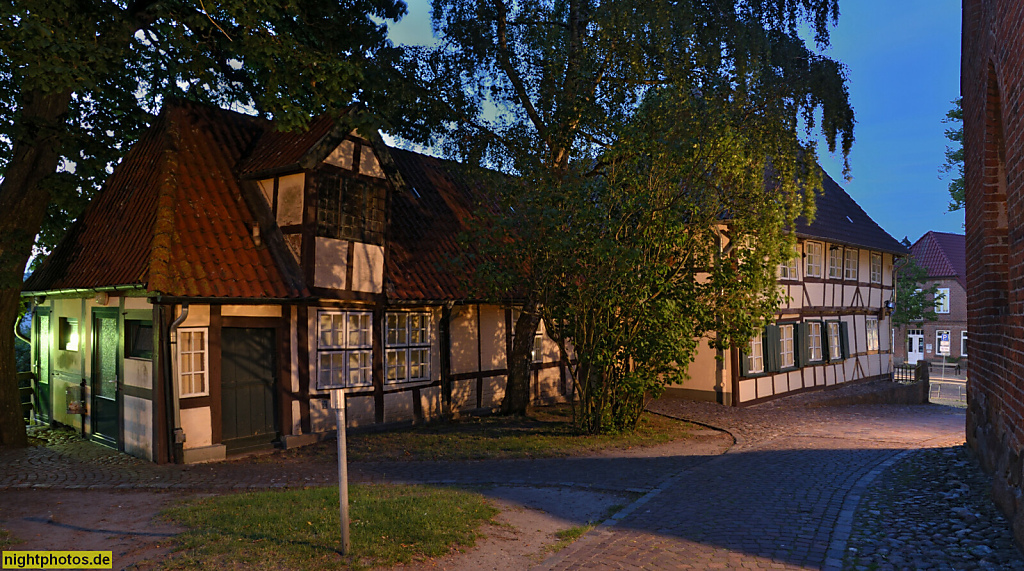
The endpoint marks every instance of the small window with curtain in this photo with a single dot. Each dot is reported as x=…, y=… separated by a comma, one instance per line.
x=876, y=268
x=813, y=255
x=755, y=356
x=407, y=351
x=787, y=353
x=850, y=265
x=963, y=343
x=813, y=341
x=788, y=271
x=835, y=345
x=835, y=262
x=344, y=349
x=872, y=333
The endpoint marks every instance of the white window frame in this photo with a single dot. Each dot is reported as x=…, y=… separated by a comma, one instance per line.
x=405, y=345
x=787, y=353
x=835, y=343
x=835, y=263
x=355, y=353
x=788, y=270
x=942, y=300
x=814, y=251
x=814, y=353
x=755, y=354
x=850, y=271
x=963, y=343
x=871, y=325
x=189, y=332
x=876, y=268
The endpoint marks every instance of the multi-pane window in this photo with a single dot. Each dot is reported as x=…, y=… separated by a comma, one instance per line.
x=348, y=208
x=835, y=347
x=942, y=300
x=786, y=354
x=345, y=349
x=787, y=270
x=963, y=343
x=407, y=353
x=813, y=341
x=835, y=263
x=813, y=253
x=755, y=356
x=850, y=267
x=872, y=330
x=192, y=362
x=876, y=268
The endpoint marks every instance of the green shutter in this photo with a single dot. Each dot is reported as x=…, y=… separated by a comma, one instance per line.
x=844, y=339
x=801, y=344
x=744, y=368
x=772, y=348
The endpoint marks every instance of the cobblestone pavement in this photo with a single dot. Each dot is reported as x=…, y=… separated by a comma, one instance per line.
x=784, y=497
x=931, y=511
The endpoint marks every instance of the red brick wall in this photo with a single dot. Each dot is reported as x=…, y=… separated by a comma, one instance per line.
x=991, y=82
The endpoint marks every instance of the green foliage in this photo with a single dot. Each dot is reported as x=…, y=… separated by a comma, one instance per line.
x=954, y=165
x=914, y=303
x=119, y=61
x=300, y=529
x=657, y=153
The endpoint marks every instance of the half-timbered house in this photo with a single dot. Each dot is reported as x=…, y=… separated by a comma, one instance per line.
x=834, y=325
x=227, y=273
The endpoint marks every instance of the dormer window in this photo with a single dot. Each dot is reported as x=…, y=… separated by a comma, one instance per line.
x=348, y=208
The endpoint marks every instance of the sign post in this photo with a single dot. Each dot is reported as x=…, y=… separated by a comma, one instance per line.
x=338, y=404
x=944, y=349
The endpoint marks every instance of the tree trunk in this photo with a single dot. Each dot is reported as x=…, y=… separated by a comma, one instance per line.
x=517, y=390
x=23, y=202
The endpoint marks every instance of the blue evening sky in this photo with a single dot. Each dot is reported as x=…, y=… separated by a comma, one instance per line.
x=903, y=58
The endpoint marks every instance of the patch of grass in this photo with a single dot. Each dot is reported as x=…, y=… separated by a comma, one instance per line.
x=567, y=536
x=6, y=539
x=299, y=529
x=547, y=432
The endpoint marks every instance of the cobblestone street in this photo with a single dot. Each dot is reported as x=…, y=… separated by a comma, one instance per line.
x=801, y=487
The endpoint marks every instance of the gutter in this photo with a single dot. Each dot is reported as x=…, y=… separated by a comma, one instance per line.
x=85, y=290
x=177, y=436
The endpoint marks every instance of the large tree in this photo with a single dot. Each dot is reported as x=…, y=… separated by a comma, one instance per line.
x=80, y=79
x=565, y=94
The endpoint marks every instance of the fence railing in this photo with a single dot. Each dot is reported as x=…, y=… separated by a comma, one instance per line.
x=903, y=373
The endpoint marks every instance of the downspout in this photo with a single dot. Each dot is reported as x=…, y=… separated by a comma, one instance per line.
x=177, y=436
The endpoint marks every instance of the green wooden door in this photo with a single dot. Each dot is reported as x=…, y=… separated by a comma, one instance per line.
x=248, y=395
x=43, y=339
x=104, y=413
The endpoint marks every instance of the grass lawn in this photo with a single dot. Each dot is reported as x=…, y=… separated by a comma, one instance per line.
x=546, y=433
x=299, y=529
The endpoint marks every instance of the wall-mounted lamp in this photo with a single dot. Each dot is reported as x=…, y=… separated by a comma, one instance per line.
x=889, y=306
x=102, y=298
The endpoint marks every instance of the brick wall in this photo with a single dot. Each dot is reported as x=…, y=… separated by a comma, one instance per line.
x=991, y=83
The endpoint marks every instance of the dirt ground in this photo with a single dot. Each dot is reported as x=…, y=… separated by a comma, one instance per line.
x=124, y=523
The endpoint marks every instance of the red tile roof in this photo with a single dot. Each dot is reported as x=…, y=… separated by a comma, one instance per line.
x=276, y=151
x=426, y=220
x=943, y=255
x=171, y=218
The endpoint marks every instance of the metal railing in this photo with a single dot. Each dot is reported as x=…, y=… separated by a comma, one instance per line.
x=903, y=373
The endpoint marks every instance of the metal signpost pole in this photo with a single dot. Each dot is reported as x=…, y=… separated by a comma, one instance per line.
x=338, y=403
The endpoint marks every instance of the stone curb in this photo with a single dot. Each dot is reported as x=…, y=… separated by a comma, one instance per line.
x=844, y=523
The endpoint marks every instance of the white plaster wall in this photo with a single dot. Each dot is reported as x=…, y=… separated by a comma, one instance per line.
x=197, y=425
x=747, y=389
x=138, y=427
x=137, y=303
x=398, y=406
x=289, y=199
x=359, y=411
x=464, y=339
x=464, y=394
x=198, y=315
x=138, y=373
x=494, y=391
x=330, y=259
x=367, y=268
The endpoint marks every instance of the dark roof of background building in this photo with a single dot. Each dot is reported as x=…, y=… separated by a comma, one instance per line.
x=942, y=255
x=840, y=220
x=172, y=218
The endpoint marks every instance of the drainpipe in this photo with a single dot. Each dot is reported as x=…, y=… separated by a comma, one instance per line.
x=177, y=436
